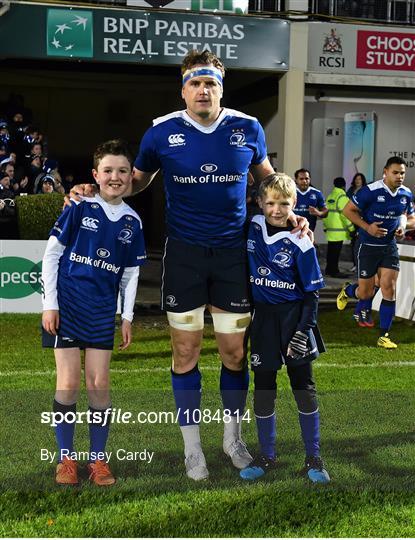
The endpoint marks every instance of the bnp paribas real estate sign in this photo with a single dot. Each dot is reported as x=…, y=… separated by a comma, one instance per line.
x=144, y=36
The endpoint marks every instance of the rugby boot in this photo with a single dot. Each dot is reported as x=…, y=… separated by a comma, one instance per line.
x=386, y=343
x=67, y=472
x=258, y=467
x=238, y=453
x=315, y=471
x=100, y=474
x=342, y=297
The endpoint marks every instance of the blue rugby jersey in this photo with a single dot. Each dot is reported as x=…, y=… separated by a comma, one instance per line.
x=310, y=197
x=205, y=173
x=377, y=202
x=101, y=240
x=282, y=266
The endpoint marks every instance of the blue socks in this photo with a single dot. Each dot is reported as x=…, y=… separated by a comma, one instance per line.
x=350, y=290
x=234, y=389
x=310, y=432
x=187, y=389
x=64, y=431
x=99, y=428
x=386, y=314
x=267, y=434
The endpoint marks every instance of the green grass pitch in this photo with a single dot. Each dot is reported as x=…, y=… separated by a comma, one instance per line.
x=367, y=404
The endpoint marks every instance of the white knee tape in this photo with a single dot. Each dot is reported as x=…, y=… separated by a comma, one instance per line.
x=190, y=321
x=231, y=323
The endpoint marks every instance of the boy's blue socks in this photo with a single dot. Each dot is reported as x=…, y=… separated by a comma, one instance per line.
x=234, y=389
x=187, y=389
x=310, y=432
x=386, y=315
x=64, y=431
x=99, y=427
x=267, y=434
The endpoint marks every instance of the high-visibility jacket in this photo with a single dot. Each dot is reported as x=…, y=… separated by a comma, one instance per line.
x=336, y=225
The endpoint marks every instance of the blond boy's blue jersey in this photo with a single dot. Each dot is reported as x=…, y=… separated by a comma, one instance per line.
x=101, y=241
x=205, y=173
x=282, y=267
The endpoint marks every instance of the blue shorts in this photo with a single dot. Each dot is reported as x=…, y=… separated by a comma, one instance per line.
x=371, y=258
x=272, y=327
x=194, y=276
x=63, y=342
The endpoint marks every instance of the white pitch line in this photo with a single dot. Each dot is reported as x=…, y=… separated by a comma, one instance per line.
x=30, y=373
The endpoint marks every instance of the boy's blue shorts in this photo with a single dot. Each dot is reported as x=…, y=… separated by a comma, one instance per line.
x=272, y=327
x=63, y=342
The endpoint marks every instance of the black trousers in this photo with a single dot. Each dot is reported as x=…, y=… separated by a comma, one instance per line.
x=333, y=256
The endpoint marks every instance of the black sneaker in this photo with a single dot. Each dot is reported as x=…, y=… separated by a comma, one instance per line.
x=314, y=469
x=258, y=467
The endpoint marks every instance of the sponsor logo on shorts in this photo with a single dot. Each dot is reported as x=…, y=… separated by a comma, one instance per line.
x=176, y=139
x=209, y=168
x=255, y=361
x=90, y=224
x=103, y=253
x=264, y=271
x=171, y=301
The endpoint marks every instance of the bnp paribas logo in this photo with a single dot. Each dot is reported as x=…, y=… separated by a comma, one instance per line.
x=69, y=33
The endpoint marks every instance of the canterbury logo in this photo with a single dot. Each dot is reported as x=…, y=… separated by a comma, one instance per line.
x=177, y=139
x=90, y=223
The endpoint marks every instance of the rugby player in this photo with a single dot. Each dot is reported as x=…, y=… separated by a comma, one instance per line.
x=381, y=210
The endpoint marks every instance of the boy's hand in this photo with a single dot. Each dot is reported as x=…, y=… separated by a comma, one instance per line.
x=300, y=224
x=50, y=321
x=126, y=334
x=298, y=345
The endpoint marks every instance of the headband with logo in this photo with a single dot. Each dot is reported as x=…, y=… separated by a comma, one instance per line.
x=210, y=72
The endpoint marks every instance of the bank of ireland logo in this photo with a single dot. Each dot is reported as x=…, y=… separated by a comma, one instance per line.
x=264, y=271
x=69, y=33
x=103, y=253
x=209, y=168
x=19, y=277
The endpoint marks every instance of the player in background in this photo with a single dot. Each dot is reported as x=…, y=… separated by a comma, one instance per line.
x=381, y=210
x=94, y=251
x=285, y=278
x=310, y=201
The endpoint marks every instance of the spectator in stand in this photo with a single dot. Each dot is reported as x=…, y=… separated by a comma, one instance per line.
x=5, y=187
x=34, y=169
x=4, y=134
x=50, y=167
x=16, y=128
x=30, y=137
x=36, y=149
x=3, y=151
x=47, y=184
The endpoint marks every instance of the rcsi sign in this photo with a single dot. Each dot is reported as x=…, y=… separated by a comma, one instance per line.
x=20, y=276
x=385, y=50
x=353, y=49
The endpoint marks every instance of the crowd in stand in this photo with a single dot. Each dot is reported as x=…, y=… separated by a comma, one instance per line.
x=25, y=165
